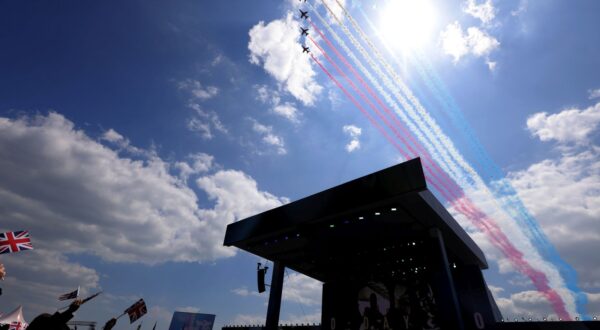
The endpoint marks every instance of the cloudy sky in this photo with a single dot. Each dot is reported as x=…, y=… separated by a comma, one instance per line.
x=132, y=133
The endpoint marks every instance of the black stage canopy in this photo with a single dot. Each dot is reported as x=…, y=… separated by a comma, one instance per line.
x=340, y=230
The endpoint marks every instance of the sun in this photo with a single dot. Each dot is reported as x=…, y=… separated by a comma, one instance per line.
x=407, y=24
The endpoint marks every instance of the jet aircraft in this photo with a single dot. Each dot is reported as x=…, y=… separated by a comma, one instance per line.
x=305, y=49
x=304, y=31
x=303, y=14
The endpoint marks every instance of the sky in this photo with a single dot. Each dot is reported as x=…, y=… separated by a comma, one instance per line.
x=133, y=132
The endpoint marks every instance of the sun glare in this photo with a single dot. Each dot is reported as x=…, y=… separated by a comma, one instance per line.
x=407, y=24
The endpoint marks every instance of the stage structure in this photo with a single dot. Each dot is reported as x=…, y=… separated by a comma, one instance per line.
x=389, y=254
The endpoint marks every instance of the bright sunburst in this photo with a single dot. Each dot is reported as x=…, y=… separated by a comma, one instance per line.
x=407, y=24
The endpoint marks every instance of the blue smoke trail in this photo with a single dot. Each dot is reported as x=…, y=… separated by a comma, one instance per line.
x=501, y=188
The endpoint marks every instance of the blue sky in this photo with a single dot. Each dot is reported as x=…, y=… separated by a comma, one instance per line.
x=132, y=133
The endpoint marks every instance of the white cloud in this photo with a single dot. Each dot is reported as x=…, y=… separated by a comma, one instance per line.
x=480, y=43
x=244, y=292
x=297, y=288
x=200, y=163
x=288, y=111
x=354, y=132
x=198, y=126
x=275, y=46
x=522, y=8
x=247, y=319
x=39, y=276
x=112, y=136
x=567, y=188
x=204, y=122
x=594, y=93
x=188, y=309
x=525, y=304
x=302, y=289
x=562, y=193
x=484, y=11
x=77, y=196
x=571, y=125
x=293, y=319
x=198, y=90
x=268, y=137
x=475, y=42
x=267, y=95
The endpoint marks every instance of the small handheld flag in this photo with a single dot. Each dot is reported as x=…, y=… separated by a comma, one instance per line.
x=70, y=295
x=136, y=310
x=11, y=242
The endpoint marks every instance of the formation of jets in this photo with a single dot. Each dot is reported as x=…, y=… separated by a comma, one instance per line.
x=304, y=31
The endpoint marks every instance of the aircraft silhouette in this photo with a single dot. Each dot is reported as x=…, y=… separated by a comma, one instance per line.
x=305, y=49
x=303, y=14
x=304, y=31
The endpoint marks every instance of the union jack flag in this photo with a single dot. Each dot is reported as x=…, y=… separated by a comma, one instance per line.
x=11, y=242
x=17, y=326
x=136, y=310
x=70, y=295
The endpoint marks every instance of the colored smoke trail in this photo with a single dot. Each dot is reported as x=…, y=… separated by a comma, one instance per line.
x=500, y=185
x=403, y=135
x=463, y=204
x=371, y=64
x=441, y=187
x=478, y=182
x=501, y=188
x=421, y=135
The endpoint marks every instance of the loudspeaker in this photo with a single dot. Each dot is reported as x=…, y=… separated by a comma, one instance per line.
x=260, y=276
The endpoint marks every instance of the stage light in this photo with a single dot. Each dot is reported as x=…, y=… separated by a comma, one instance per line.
x=360, y=218
x=393, y=209
x=595, y=318
x=545, y=319
x=414, y=243
x=377, y=213
x=332, y=226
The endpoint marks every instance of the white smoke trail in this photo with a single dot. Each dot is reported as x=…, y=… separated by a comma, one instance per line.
x=439, y=145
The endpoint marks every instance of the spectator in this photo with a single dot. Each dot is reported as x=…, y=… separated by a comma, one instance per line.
x=57, y=321
x=110, y=324
x=2, y=271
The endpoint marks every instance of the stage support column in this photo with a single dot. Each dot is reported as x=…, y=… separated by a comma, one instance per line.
x=450, y=309
x=275, y=296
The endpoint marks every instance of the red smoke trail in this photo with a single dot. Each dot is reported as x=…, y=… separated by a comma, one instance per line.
x=381, y=116
x=457, y=197
x=355, y=102
x=357, y=105
x=422, y=151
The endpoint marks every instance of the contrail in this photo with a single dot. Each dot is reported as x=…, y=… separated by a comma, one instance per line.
x=502, y=189
x=403, y=135
x=465, y=206
x=442, y=138
x=418, y=119
x=411, y=154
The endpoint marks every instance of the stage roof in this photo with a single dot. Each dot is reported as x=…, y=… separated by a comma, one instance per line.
x=365, y=221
